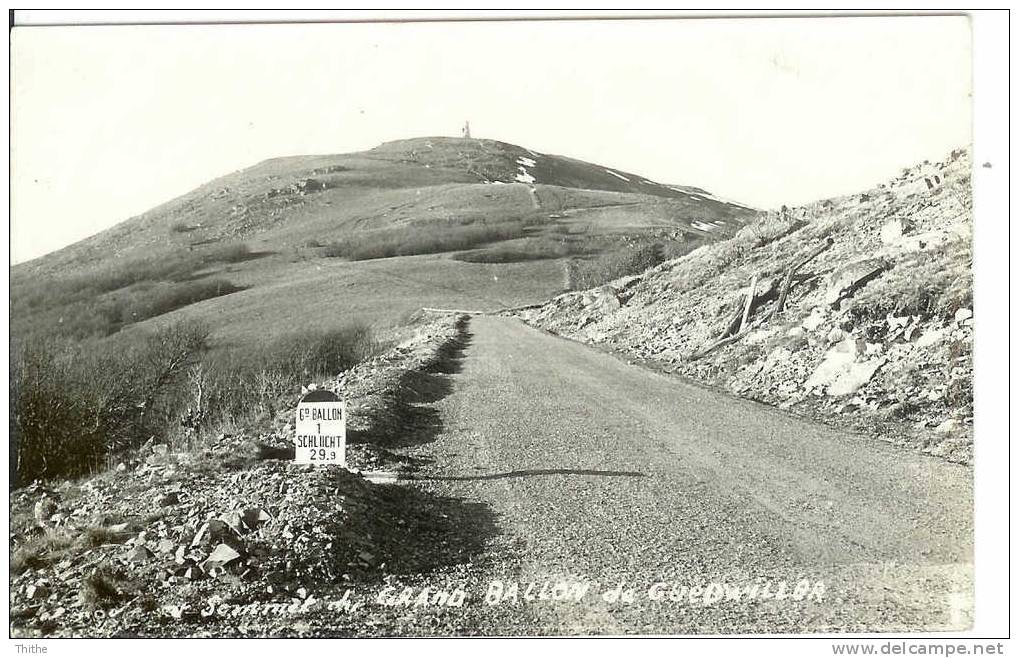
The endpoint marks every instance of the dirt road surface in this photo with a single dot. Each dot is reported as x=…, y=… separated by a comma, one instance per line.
x=572, y=469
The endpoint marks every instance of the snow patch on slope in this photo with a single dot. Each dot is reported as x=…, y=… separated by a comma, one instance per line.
x=525, y=176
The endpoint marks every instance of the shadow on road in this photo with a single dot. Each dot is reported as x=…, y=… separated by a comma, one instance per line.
x=418, y=532
x=434, y=382
x=419, y=422
x=532, y=473
x=452, y=354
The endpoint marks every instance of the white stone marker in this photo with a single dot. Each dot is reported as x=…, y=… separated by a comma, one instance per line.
x=321, y=429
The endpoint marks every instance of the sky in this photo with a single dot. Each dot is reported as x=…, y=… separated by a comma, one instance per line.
x=108, y=122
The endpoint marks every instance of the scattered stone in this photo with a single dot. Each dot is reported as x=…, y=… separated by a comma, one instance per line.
x=950, y=426
x=925, y=241
x=44, y=511
x=930, y=337
x=212, y=531
x=139, y=554
x=963, y=314
x=220, y=556
x=873, y=349
x=759, y=336
x=255, y=517
x=37, y=592
x=233, y=519
x=175, y=611
x=165, y=546
x=168, y=499
x=854, y=377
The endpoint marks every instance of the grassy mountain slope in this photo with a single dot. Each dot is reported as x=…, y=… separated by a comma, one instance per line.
x=876, y=330
x=441, y=221
x=286, y=202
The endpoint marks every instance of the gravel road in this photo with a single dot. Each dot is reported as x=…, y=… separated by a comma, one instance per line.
x=646, y=489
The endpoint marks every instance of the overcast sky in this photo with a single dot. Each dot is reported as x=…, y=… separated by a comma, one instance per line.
x=111, y=121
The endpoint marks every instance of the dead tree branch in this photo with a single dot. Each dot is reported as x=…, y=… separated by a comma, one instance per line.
x=750, y=302
x=787, y=282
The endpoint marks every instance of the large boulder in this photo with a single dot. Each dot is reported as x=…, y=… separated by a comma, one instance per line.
x=841, y=372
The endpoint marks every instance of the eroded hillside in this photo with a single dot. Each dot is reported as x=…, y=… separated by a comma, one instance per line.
x=875, y=328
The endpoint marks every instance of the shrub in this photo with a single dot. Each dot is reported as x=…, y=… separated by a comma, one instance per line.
x=40, y=551
x=533, y=249
x=247, y=384
x=614, y=265
x=99, y=589
x=73, y=406
x=103, y=314
x=98, y=535
x=165, y=297
x=410, y=240
x=230, y=252
x=34, y=293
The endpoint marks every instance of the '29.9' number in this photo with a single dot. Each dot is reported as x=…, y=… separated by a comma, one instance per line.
x=321, y=454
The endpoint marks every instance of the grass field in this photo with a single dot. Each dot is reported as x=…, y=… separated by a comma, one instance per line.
x=325, y=292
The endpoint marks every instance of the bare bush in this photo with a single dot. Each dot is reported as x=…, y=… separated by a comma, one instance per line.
x=531, y=249
x=73, y=405
x=245, y=385
x=613, y=265
x=409, y=241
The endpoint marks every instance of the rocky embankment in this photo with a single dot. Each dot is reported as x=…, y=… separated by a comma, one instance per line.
x=874, y=330
x=150, y=547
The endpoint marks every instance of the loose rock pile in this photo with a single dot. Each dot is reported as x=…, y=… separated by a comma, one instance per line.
x=146, y=546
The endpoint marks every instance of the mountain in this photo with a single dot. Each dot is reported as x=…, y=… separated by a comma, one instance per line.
x=429, y=221
x=289, y=201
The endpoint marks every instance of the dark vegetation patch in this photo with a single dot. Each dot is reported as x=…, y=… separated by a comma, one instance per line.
x=103, y=301
x=247, y=384
x=412, y=240
x=623, y=261
x=40, y=551
x=73, y=405
x=538, y=248
x=76, y=406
